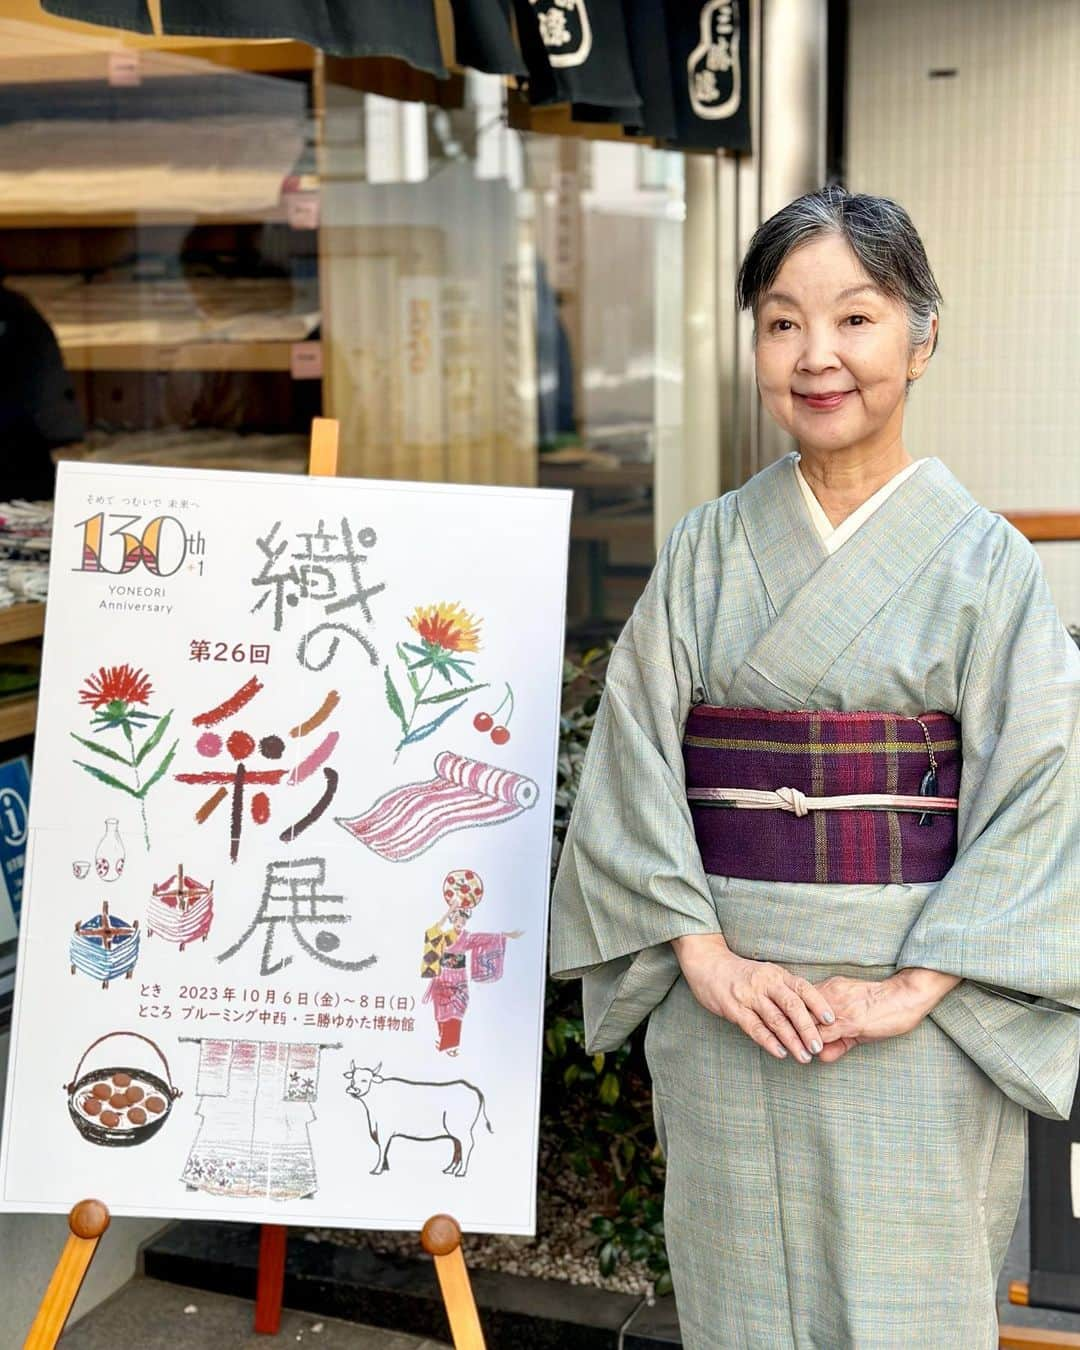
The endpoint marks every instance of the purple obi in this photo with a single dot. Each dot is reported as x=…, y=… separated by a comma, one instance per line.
x=830, y=794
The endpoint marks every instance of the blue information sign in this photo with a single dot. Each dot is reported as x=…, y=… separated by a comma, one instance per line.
x=14, y=808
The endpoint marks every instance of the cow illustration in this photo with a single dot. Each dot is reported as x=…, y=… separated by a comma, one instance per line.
x=418, y=1110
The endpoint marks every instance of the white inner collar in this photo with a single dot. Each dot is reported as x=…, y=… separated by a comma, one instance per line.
x=833, y=536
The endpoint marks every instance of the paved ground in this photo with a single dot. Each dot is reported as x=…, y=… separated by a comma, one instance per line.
x=150, y=1315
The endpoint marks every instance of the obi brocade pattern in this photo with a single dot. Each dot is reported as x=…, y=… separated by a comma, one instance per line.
x=822, y=754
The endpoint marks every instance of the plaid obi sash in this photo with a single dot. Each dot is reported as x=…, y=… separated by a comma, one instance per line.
x=813, y=796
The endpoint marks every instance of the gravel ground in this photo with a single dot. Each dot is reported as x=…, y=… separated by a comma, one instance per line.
x=563, y=1249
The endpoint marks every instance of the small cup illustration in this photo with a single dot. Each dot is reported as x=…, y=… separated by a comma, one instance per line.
x=81, y=867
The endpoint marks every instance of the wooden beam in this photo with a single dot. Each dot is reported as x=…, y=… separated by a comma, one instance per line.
x=1036, y=1338
x=392, y=78
x=556, y=120
x=1044, y=526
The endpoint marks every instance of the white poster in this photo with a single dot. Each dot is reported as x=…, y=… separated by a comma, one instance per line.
x=283, y=934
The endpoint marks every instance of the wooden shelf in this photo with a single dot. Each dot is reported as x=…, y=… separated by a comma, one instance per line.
x=63, y=58
x=129, y=220
x=261, y=57
x=18, y=714
x=597, y=527
x=587, y=476
x=275, y=356
x=18, y=622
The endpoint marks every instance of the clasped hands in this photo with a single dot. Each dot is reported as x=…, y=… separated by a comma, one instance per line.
x=788, y=1015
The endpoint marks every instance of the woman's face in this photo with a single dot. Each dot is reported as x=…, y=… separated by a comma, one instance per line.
x=832, y=351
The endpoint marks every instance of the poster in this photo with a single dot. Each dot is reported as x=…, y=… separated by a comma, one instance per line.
x=284, y=916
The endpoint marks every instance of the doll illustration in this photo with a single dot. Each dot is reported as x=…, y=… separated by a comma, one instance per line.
x=455, y=958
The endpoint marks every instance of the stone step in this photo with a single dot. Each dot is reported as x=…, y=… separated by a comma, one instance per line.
x=402, y=1293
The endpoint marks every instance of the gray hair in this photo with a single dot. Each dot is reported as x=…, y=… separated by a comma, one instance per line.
x=879, y=232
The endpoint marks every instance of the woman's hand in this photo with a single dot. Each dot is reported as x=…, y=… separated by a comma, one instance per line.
x=874, y=1010
x=775, y=1008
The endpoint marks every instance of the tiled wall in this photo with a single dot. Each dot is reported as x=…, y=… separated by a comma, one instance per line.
x=987, y=161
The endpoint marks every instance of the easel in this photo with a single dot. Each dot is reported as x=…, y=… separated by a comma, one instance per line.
x=88, y=1220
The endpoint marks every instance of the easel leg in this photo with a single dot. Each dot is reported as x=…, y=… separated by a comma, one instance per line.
x=87, y=1221
x=441, y=1238
x=322, y=463
x=271, y=1278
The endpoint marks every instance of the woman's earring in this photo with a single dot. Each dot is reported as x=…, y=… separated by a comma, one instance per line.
x=914, y=371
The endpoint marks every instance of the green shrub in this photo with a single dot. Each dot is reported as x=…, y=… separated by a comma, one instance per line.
x=598, y=1108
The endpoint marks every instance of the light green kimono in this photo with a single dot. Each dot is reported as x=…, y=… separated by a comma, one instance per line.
x=866, y=1203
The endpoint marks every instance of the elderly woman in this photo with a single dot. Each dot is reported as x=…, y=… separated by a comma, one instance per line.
x=828, y=840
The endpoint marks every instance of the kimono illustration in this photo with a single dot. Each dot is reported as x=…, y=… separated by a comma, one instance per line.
x=454, y=958
x=831, y=1204
x=255, y=1108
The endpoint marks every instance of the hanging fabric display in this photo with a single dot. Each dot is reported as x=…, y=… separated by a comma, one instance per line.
x=342, y=27
x=604, y=57
x=484, y=39
x=697, y=99
x=131, y=15
x=577, y=52
x=647, y=38
x=709, y=54
x=647, y=32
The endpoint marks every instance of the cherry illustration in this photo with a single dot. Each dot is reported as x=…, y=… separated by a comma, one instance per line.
x=483, y=721
x=500, y=733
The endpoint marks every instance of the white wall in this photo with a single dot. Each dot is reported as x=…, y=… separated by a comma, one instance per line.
x=30, y=1245
x=988, y=164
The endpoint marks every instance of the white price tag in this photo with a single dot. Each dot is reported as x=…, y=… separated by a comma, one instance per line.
x=305, y=361
x=302, y=210
x=125, y=69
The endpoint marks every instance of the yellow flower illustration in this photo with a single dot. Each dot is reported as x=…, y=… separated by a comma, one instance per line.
x=447, y=625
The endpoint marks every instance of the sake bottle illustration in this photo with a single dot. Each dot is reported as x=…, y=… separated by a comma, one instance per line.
x=713, y=70
x=109, y=856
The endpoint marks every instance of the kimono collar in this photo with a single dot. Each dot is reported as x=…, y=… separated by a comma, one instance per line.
x=788, y=550
x=823, y=602
x=786, y=547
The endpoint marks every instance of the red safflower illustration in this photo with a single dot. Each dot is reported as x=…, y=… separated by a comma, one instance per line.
x=115, y=684
x=118, y=696
x=447, y=625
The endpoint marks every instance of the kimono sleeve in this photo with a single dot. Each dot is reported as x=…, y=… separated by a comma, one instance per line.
x=1006, y=917
x=630, y=877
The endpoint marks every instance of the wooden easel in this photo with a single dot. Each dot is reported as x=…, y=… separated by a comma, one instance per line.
x=441, y=1236
x=88, y=1220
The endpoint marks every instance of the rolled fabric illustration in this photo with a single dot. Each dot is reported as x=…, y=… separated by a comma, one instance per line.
x=464, y=793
